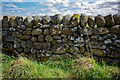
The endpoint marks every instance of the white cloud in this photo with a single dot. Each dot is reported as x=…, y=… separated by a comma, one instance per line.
x=67, y=12
x=18, y=11
x=77, y=4
x=11, y=5
x=42, y=14
x=12, y=11
x=49, y=4
x=65, y=7
x=103, y=1
x=18, y=0
x=57, y=1
x=85, y=3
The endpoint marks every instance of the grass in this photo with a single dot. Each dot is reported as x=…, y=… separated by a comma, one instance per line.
x=86, y=25
x=64, y=68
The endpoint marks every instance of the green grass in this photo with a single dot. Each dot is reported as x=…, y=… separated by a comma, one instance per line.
x=64, y=68
x=86, y=25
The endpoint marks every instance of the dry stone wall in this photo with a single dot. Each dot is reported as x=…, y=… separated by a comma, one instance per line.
x=44, y=38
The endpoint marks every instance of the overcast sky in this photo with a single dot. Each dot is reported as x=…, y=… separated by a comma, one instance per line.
x=51, y=7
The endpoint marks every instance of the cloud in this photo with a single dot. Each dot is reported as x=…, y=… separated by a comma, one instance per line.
x=85, y=3
x=64, y=7
x=77, y=4
x=18, y=11
x=11, y=5
x=49, y=4
x=18, y=0
x=57, y=1
x=12, y=11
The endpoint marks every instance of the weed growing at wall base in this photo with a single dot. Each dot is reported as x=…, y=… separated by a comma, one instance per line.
x=64, y=68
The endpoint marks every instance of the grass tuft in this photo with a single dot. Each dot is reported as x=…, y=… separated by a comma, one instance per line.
x=63, y=68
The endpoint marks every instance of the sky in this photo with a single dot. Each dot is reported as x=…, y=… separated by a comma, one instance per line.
x=64, y=7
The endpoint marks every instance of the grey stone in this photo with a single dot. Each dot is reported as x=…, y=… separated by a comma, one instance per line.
x=57, y=37
x=26, y=37
x=101, y=45
x=5, y=21
x=76, y=56
x=66, y=20
x=49, y=38
x=21, y=27
x=37, y=19
x=115, y=29
x=38, y=25
x=17, y=40
x=100, y=21
x=67, y=31
x=5, y=28
x=83, y=20
x=75, y=49
x=65, y=56
x=33, y=51
x=57, y=19
x=54, y=30
x=26, y=50
x=46, y=31
x=116, y=43
x=45, y=26
x=59, y=41
x=13, y=22
x=101, y=30
x=29, y=44
x=109, y=20
x=41, y=38
x=87, y=31
x=38, y=45
x=110, y=36
x=23, y=44
x=91, y=21
x=19, y=50
x=100, y=38
x=28, y=21
x=27, y=31
x=9, y=38
x=94, y=44
x=64, y=40
x=20, y=20
x=75, y=20
x=94, y=37
x=74, y=29
x=79, y=44
x=63, y=35
x=16, y=34
x=34, y=39
x=108, y=41
x=116, y=19
x=4, y=33
x=71, y=38
x=79, y=40
x=87, y=39
x=37, y=31
x=54, y=57
x=16, y=45
x=11, y=29
x=46, y=53
x=46, y=19
x=70, y=43
x=46, y=45
x=59, y=48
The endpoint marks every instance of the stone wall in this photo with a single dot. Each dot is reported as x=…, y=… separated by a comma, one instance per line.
x=61, y=36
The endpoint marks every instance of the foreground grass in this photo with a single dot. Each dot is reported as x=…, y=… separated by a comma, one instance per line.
x=64, y=68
